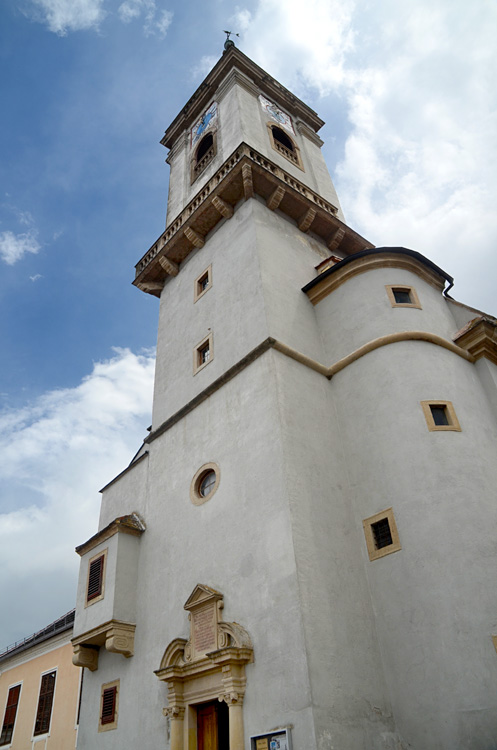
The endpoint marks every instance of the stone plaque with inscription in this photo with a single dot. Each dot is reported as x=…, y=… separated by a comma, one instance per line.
x=204, y=629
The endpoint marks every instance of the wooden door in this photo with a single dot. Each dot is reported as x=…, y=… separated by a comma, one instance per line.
x=207, y=735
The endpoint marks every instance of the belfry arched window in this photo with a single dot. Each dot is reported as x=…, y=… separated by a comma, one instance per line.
x=285, y=145
x=204, y=154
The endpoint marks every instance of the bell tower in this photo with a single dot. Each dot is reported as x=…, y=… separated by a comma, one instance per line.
x=242, y=141
x=297, y=552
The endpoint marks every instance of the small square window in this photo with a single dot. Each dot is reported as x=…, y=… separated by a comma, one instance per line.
x=203, y=354
x=96, y=578
x=109, y=704
x=382, y=537
x=202, y=283
x=402, y=296
x=440, y=416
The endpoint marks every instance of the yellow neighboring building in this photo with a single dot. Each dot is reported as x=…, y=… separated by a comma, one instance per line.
x=39, y=691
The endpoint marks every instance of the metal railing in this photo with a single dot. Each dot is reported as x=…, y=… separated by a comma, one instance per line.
x=63, y=623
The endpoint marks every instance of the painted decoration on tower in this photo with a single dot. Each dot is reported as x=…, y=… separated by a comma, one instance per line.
x=276, y=114
x=205, y=123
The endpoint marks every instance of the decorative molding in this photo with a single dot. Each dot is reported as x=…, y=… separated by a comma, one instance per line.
x=224, y=208
x=131, y=524
x=305, y=222
x=196, y=675
x=254, y=78
x=479, y=338
x=275, y=198
x=306, y=131
x=85, y=656
x=152, y=287
x=174, y=712
x=393, y=338
x=336, y=239
x=195, y=238
x=116, y=636
x=243, y=175
x=325, y=286
x=313, y=364
x=236, y=77
x=169, y=266
x=248, y=185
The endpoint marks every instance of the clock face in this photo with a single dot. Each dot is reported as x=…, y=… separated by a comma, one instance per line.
x=203, y=124
x=276, y=114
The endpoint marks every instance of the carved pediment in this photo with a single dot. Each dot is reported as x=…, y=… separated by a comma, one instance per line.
x=200, y=595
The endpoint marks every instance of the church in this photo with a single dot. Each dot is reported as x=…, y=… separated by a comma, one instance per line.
x=302, y=552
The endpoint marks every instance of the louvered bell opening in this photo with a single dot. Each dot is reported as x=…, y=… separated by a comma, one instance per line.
x=381, y=533
x=108, y=705
x=95, y=578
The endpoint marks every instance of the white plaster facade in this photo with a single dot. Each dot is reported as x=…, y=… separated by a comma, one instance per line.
x=348, y=653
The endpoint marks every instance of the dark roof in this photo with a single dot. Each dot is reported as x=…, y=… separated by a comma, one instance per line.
x=375, y=251
x=55, y=628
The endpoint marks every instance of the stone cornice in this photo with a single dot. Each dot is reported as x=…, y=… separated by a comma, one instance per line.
x=306, y=131
x=131, y=524
x=207, y=91
x=479, y=337
x=321, y=287
x=246, y=173
x=236, y=77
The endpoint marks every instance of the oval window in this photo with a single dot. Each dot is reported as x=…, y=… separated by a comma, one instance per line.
x=204, y=483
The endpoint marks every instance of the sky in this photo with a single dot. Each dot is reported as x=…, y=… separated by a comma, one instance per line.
x=88, y=87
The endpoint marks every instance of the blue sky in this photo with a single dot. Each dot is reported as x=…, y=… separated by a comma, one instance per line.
x=88, y=87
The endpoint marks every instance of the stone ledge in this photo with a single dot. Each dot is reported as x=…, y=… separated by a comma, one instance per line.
x=479, y=338
x=114, y=635
x=246, y=173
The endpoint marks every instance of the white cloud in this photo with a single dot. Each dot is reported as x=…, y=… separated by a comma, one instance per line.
x=62, y=16
x=294, y=40
x=36, y=277
x=14, y=246
x=55, y=454
x=156, y=21
x=418, y=165
x=206, y=63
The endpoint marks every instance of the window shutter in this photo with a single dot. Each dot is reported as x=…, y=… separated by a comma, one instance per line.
x=95, y=578
x=45, y=701
x=108, y=705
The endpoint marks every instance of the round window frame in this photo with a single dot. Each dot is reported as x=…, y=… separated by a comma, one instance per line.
x=195, y=496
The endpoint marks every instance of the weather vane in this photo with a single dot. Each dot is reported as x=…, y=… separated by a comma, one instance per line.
x=229, y=42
